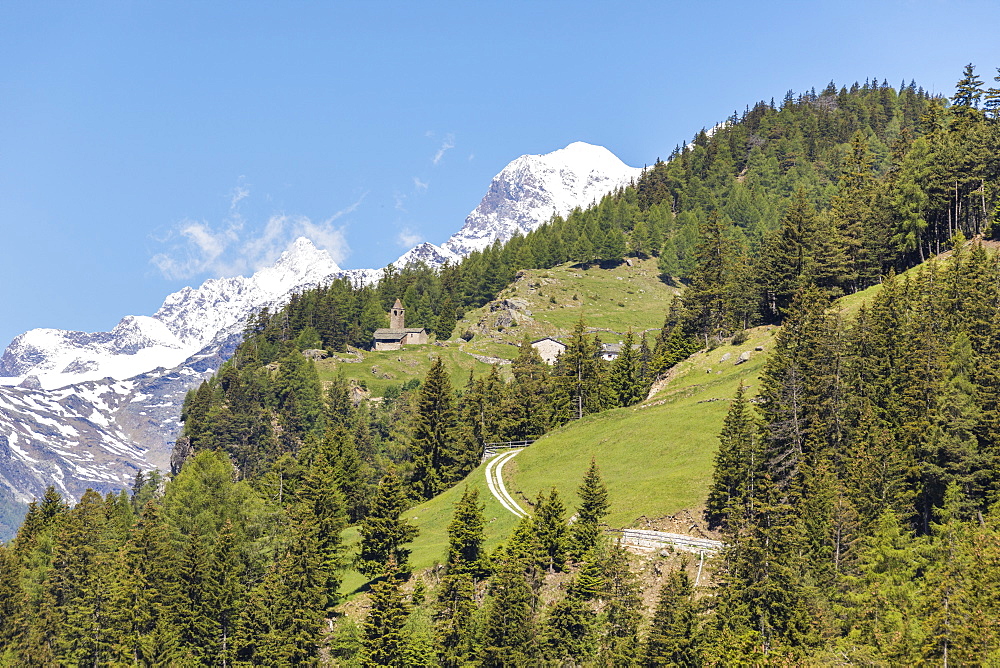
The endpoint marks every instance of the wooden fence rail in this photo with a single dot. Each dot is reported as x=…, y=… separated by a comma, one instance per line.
x=493, y=449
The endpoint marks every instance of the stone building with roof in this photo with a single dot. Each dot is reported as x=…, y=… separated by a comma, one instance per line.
x=398, y=334
x=549, y=349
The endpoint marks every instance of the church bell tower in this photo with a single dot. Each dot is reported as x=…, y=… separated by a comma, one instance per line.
x=396, y=316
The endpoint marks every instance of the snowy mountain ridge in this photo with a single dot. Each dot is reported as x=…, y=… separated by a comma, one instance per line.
x=533, y=188
x=188, y=320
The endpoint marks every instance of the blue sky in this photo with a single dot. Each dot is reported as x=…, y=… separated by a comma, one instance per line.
x=146, y=146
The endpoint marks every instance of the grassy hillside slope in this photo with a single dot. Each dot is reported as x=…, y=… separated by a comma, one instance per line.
x=656, y=458
x=547, y=302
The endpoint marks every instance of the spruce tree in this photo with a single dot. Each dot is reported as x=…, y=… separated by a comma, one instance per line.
x=585, y=532
x=384, y=639
x=550, y=529
x=224, y=594
x=624, y=377
x=436, y=461
x=302, y=594
x=454, y=613
x=321, y=505
x=10, y=596
x=732, y=459
x=384, y=532
x=580, y=373
x=527, y=402
x=465, y=537
x=566, y=633
x=671, y=640
x=508, y=629
x=195, y=624
x=622, y=612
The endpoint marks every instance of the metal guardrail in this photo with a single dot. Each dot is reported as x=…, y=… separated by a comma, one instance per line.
x=654, y=539
x=493, y=449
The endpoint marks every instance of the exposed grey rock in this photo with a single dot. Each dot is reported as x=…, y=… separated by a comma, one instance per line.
x=182, y=452
x=726, y=357
x=744, y=357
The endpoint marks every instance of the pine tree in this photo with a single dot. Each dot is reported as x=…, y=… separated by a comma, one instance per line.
x=550, y=529
x=585, y=532
x=453, y=619
x=465, y=537
x=384, y=639
x=384, y=532
x=436, y=463
x=671, y=638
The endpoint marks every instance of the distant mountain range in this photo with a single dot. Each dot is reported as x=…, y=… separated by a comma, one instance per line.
x=82, y=409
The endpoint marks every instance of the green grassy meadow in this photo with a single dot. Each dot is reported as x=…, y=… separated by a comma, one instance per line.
x=613, y=299
x=656, y=458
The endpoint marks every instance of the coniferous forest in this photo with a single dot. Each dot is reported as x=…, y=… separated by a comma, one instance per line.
x=857, y=489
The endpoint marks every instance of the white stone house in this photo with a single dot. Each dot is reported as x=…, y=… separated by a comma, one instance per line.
x=549, y=349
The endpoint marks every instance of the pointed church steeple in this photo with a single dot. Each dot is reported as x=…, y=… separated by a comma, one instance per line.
x=397, y=316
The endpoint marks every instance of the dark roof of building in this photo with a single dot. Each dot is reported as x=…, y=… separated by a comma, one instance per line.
x=549, y=338
x=396, y=334
x=616, y=347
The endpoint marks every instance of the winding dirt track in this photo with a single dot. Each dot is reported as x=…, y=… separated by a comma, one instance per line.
x=494, y=478
x=639, y=538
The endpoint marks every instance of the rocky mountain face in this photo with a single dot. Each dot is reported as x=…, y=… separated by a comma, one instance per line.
x=533, y=188
x=81, y=409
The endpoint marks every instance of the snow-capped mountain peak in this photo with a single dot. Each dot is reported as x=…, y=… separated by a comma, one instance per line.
x=533, y=188
x=428, y=253
x=188, y=320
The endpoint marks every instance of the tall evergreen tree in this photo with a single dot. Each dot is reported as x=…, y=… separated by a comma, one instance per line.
x=384, y=637
x=384, y=532
x=585, y=532
x=465, y=537
x=549, y=524
x=671, y=640
x=454, y=614
x=436, y=461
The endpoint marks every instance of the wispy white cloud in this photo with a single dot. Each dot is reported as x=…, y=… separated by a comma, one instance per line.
x=420, y=185
x=407, y=238
x=400, y=200
x=233, y=247
x=446, y=145
x=240, y=193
